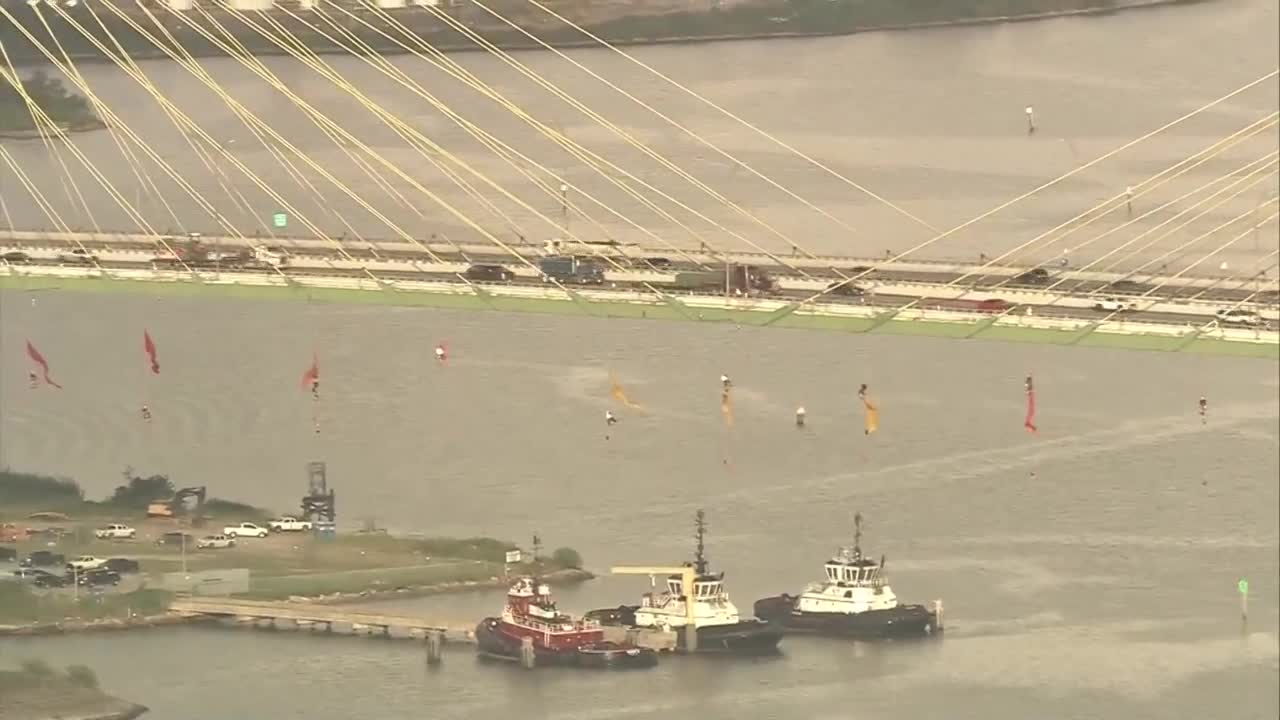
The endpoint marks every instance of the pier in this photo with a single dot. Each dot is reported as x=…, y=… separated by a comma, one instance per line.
x=320, y=618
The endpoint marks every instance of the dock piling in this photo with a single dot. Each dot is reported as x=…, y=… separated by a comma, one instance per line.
x=527, y=657
x=435, y=640
x=937, y=615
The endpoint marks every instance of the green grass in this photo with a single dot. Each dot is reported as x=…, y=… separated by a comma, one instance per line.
x=19, y=604
x=656, y=311
x=353, y=581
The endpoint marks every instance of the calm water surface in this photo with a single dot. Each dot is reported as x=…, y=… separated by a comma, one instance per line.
x=1092, y=567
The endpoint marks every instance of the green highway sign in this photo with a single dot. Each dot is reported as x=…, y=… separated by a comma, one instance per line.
x=280, y=220
x=1244, y=587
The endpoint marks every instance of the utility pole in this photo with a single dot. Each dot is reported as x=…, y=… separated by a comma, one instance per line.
x=564, y=207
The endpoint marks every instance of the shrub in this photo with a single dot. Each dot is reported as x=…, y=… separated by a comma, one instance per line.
x=37, y=668
x=82, y=676
x=566, y=558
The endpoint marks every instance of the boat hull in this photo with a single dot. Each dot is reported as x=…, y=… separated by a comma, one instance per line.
x=491, y=642
x=749, y=637
x=900, y=622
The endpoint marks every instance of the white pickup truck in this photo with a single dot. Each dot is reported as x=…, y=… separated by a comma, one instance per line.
x=78, y=256
x=244, y=529
x=86, y=562
x=115, y=532
x=215, y=542
x=289, y=524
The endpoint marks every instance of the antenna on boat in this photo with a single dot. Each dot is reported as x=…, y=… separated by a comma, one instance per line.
x=537, y=547
x=857, y=535
x=700, y=558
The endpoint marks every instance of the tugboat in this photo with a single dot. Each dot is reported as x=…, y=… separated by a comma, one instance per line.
x=855, y=601
x=719, y=627
x=556, y=638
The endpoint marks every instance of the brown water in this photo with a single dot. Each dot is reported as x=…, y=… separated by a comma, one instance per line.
x=930, y=120
x=1092, y=566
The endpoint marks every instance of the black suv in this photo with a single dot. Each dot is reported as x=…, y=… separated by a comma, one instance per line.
x=490, y=273
x=44, y=558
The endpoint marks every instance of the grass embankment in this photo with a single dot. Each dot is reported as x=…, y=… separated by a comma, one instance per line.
x=281, y=565
x=37, y=692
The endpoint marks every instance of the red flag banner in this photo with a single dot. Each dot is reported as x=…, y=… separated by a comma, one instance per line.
x=149, y=346
x=43, y=364
x=1030, y=422
x=312, y=375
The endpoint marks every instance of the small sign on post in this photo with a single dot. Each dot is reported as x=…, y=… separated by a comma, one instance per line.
x=1243, y=587
x=280, y=220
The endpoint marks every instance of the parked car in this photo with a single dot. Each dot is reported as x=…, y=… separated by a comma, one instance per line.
x=30, y=573
x=490, y=273
x=175, y=538
x=215, y=542
x=16, y=257
x=98, y=578
x=47, y=580
x=1240, y=317
x=44, y=558
x=288, y=524
x=85, y=562
x=245, y=529
x=115, y=532
x=1114, y=305
x=121, y=565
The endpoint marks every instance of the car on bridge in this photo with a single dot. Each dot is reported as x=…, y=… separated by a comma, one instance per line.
x=1114, y=305
x=1037, y=276
x=489, y=273
x=1240, y=317
x=78, y=256
x=16, y=257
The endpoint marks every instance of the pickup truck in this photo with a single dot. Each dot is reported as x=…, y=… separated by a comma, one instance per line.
x=214, y=542
x=115, y=532
x=289, y=524
x=86, y=562
x=244, y=529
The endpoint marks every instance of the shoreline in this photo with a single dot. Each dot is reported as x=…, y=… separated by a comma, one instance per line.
x=170, y=619
x=513, y=41
x=958, y=328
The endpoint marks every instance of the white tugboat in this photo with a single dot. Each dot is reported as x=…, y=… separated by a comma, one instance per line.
x=854, y=601
x=719, y=626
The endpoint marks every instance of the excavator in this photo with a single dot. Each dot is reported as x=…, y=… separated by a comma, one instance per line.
x=176, y=505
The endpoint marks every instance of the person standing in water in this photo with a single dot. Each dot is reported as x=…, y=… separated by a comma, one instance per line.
x=1204, y=408
x=800, y=417
x=441, y=354
x=146, y=413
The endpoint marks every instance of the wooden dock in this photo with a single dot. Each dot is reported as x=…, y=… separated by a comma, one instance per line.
x=326, y=618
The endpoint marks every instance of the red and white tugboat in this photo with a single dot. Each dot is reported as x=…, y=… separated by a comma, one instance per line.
x=556, y=638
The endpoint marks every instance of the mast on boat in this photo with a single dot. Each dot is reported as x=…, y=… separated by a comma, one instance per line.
x=700, y=557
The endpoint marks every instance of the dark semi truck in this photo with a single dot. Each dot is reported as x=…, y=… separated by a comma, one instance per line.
x=743, y=279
